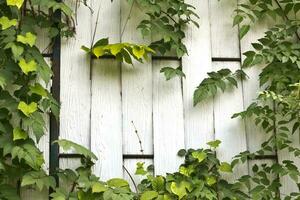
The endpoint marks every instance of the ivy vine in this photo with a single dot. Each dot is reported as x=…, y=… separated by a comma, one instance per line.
x=25, y=99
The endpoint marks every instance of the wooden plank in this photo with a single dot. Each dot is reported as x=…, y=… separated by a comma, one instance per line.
x=224, y=37
x=106, y=115
x=199, y=119
x=129, y=171
x=75, y=82
x=32, y=194
x=168, y=123
x=256, y=136
x=106, y=119
x=69, y=163
x=230, y=131
x=110, y=27
x=136, y=89
x=289, y=185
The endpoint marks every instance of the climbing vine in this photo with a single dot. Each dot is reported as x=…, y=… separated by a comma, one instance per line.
x=25, y=100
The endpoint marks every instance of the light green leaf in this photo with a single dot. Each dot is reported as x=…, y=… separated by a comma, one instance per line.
x=180, y=189
x=149, y=195
x=17, y=3
x=200, y=156
x=140, y=170
x=214, y=144
x=27, y=109
x=27, y=67
x=211, y=180
x=6, y=23
x=117, y=182
x=98, y=51
x=68, y=145
x=29, y=39
x=19, y=134
x=138, y=52
x=225, y=167
x=98, y=188
x=38, y=89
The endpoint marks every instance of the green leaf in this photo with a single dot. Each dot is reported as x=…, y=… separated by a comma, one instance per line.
x=211, y=180
x=170, y=72
x=17, y=51
x=149, y=195
x=17, y=3
x=180, y=189
x=200, y=156
x=214, y=144
x=244, y=30
x=19, y=134
x=237, y=20
x=98, y=51
x=138, y=52
x=98, y=188
x=225, y=167
x=38, y=89
x=68, y=145
x=7, y=23
x=117, y=182
x=27, y=109
x=40, y=179
x=29, y=39
x=140, y=170
x=27, y=67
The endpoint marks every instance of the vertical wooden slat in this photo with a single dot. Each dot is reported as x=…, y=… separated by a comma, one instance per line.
x=136, y=89
x=230, y=131
x=75, y=81
x=106, y=119
x=168, y=123
x=106, y=112
x=224, y=37
x=199, y=119
x=251, y=88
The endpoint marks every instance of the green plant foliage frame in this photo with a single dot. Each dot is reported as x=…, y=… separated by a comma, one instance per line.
x=25, y=99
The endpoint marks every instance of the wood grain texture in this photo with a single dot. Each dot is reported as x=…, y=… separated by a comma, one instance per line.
x=110, y=27
x=255, y=135
x=199, y=119
x=106, y=119
x=136, y=89
x=168, y=122
x=75, y=82
x=230, y=131
x=224, y=37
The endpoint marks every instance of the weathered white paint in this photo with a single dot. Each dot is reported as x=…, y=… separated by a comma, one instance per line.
x=199, y=119
x=100, y=103
x=223, y=35
x=106, y=110
x=230, y=131
x=75, y=82
x=136, y=89
x=168, y=123
x=106, y=121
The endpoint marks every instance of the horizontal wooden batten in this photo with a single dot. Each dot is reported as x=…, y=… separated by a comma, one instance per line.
x=47, y=55
x=126, y=156
x=175, y=58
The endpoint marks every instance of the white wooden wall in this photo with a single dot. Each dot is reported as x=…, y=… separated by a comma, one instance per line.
x=105, y=104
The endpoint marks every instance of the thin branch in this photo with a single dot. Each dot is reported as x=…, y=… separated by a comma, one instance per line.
x=169, y=16
x=96, y=25
x=286, y=17
x=138, y=136
x=127, y=19
x=131, y=178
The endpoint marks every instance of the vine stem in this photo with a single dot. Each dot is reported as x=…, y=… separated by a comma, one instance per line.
x=131, y=178
x=286, y=18
x=96, y=25
x=127, y=19
x=138, y=136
